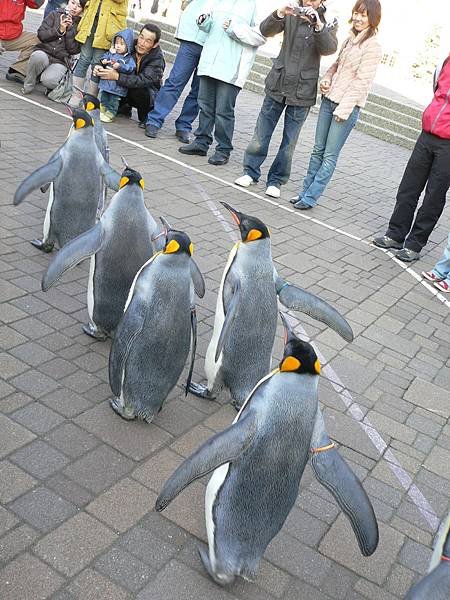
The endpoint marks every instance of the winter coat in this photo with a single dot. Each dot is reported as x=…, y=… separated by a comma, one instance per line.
x=148, y=73
x=57, y=47
x=111, y=19
x=126, y=61
x=295, y=72
x=436, y=117
x=12, y=13
x=352, y=74
x=187, y=29
x=229, y=55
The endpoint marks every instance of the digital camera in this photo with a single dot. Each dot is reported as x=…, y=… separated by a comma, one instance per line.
x=301, y=11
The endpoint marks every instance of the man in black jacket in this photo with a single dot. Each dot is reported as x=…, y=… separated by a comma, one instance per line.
x=145, y=82
x=291, y=86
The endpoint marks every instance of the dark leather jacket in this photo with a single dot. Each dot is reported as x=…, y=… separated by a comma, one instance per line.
x=59, y=48
x=295, y=72
x=149, y=72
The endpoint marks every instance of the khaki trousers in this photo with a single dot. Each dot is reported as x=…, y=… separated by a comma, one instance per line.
x=25, y=44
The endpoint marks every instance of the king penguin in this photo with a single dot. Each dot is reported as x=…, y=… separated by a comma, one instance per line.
x=258, y=463
x=76, y=172
x=119, y=244
x=240, y=350
x=153, y=338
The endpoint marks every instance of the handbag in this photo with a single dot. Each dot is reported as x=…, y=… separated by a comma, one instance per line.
x=63, y=91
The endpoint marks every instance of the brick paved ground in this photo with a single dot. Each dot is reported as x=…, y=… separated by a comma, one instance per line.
x=77, y=484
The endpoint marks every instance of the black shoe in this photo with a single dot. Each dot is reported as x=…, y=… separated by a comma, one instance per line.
x=407, y=255
x=141, y=125
x=151, y=131
x=183, y=136
x=15, y=76
x=193, y=149
x=124, y=111
x=218, y=159
x=40, y=245
x=386, y=243
x=300, y=205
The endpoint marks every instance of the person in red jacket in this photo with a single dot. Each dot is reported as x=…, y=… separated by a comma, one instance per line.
x=12, y=36
x=428, y=166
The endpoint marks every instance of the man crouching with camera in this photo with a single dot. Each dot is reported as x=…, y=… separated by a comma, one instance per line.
x=291, y=86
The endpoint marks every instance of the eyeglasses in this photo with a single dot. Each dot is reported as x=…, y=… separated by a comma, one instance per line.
x=145, y=40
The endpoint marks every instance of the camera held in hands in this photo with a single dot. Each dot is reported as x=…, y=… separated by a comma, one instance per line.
x=302, y=11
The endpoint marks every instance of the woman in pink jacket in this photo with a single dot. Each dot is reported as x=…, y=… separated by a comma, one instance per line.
x=344, y=88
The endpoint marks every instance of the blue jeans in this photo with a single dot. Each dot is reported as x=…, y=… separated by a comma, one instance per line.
x=442, y=267
x=88, y=56
x=185, y=65
x=216, y=100
x=331, y=136
x=110, y=102
x=257, y=150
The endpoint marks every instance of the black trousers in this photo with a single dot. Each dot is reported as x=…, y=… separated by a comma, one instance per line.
x=429, y=165
x=141, y=99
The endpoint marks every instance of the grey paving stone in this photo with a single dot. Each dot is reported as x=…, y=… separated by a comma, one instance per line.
x=391, y=427
x=7, y=520
x=13, y=482
x=67, y=403
x=42, y=509
x=353, y=375
x=438, y=461
x=14, y=402
x=57, y=368
x=370, y=590
x=136, y=439
x=149, y=546
x=10, y=337
x=69, y=490
x=400, y=580
x=154, y=472
x=13, y=436
x=39, y=459
x=125, y=569
x=15, y=542
x=299, y=589
x=10, y=366
x=415, y=556
x=176, y=417
x=339, y=582
x=32, y=353
x=340, y=545
x=90, y=585
x=123, y=505
x=99, y=469
x=305, y=528
x=34, y=383
x=178, y=581
x=429, y=396
x=8, y=291
x=32, y=328
x=164, y=529
x=38, y=418
x=28, y=578
x=72, y=440
x=343, y=428
x=74, y=544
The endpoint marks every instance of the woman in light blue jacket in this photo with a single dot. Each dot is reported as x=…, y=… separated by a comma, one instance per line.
x=227, y=57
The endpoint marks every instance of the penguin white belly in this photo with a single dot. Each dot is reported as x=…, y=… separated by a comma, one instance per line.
x=46, y=230
x=90, y=289
x=214, y=485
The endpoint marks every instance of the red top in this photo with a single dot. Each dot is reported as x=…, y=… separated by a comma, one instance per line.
x=12, y=13
x=436, y=117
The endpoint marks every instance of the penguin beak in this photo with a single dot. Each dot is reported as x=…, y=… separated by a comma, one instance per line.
x=234, y=213
x=288, y=331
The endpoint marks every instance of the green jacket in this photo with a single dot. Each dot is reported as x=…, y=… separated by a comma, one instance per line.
x=111, y=19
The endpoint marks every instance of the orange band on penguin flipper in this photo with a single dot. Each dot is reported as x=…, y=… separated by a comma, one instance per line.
x=445, y=558
x=323, y=449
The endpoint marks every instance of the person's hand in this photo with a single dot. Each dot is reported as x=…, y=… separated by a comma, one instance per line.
x=226, y=24
x=287, y=8
x=109, y=74
x=338, y=119
x=325, y=86
x=65, y=21
x=312, y=16
x=116, y=66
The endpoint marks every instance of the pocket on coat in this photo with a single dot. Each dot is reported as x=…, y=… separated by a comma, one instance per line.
x=117, y=20
x=307, y=84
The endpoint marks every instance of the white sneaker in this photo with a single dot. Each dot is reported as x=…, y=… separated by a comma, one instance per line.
x=273, y=191
x=245, y=181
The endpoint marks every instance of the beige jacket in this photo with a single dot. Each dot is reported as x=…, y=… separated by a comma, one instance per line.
x=353, y=73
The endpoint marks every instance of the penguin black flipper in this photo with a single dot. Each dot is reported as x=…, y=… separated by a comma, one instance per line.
x=45, y=174
x=197, y=279
x=193, y=349
x=294, y=298
x=110, y=176
x=229, y=317
x=130, y=326
x=222, y=448
x=78, y=249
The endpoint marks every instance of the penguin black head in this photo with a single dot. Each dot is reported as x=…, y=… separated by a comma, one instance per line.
x=130, y=177
x=178, y=242
x=90, y=102
x=298, y=356
x=81, y=119
x=251, y=228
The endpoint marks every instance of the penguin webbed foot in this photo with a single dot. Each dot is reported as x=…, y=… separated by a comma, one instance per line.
x=200, y=390
x=220, y=578
x=41, y=245
x=123, y=412
x=94, y=332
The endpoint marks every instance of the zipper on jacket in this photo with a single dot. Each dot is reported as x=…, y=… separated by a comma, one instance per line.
x=446, y=101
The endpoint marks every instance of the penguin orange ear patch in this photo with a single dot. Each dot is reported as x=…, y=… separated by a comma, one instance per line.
x=290, y=364
x=254, y=234
x=141, y=183
x=191, y=248
x=172, y=246
x=90, y=106
x=123, y=181
x=80, y=123
x=317, y=366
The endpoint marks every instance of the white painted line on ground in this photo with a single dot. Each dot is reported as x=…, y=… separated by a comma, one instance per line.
x=298, y=214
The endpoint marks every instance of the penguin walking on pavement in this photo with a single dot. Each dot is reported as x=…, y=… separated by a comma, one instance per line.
x=75, y=172
x=257, y=466
x=153, y=338
x=436, y=585
x=240, y=350
x=119, y=244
